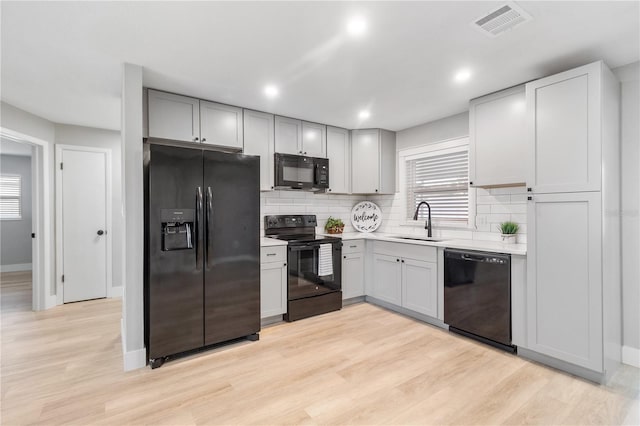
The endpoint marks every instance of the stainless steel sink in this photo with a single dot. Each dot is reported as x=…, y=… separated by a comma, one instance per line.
x=433, y=240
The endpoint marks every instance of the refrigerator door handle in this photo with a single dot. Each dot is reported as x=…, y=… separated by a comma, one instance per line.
x=209, y=230
x=199, y=208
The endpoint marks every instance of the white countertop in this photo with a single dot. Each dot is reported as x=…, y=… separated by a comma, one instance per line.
x=490, y=246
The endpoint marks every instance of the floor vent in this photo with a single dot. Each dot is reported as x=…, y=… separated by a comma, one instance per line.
x=501, y=19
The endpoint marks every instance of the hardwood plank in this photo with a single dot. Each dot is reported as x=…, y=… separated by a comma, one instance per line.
x=361, y=365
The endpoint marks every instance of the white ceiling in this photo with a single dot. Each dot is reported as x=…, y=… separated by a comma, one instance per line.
x=62, y=61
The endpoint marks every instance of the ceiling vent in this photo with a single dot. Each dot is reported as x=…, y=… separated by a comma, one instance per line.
x=501, y=20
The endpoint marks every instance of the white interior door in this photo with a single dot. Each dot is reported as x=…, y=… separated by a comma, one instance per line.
x=83, y=185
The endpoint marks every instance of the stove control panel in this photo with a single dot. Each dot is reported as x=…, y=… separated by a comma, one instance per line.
x=290, y=221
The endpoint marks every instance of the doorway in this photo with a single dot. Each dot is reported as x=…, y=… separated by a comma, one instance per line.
x=42, y=290
x=83, y=222
x=16, y=226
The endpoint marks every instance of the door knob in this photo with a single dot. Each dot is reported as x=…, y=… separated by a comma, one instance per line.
x=100, y=232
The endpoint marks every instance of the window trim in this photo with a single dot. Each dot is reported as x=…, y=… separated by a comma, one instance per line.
x=442, y=147
x=19, y=198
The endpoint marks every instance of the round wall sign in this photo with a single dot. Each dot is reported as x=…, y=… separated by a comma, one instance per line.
x=366, y=216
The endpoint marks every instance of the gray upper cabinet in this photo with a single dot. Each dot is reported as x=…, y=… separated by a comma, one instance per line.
x=339, y=155
x=373, y=161
x=498, y=139
x=288, y=134
x=173, y=117
x=258, y=140
x=221, y=125
x=314, y=139
x=565, y=131
x=182, y=118
x=299, y=137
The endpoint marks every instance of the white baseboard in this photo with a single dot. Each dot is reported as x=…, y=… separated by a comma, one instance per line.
x=18, y=267
x=132, y=359
x=631, y=356
x=135, y=359
x=115, y=291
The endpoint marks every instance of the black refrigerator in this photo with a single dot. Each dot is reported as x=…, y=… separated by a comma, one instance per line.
x=202, y=249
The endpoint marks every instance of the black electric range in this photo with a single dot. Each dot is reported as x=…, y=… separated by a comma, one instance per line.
x=314, y=265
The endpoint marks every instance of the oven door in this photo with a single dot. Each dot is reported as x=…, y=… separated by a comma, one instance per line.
x=310, y=274
x=294, y=171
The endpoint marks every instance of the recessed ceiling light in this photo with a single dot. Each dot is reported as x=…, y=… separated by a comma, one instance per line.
x=363, y=115
x=271, y=91
x=462, y=75
x=357, y=26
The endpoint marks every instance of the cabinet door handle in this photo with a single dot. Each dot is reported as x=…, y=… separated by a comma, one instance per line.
x=195, y=139
x=271, y=254
x=402, y=260
x=376, y=190
x=305, y=153
x=528, y=189
x=204, y=139
x=353, y=246
x=529, y=198
x=344, y=257
x=397, y=260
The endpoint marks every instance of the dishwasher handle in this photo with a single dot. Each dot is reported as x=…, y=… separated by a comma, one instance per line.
x=479, y=257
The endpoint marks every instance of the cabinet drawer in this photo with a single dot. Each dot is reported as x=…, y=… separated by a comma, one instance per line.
x=352, y=246
x=273, y=254
x=407, y=250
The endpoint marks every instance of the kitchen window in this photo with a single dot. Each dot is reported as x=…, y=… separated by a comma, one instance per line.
x=10, y=197
x=437, y=173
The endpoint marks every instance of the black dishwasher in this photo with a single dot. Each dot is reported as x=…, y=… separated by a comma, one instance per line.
x=477, y=296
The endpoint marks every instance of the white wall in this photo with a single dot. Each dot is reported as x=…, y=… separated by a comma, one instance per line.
x=26, y=123
x=492, y=205
x=15, y=235
x=20, y=121
x=133, y=211
x=630, y=134
x=453, y=127
x=100, y=138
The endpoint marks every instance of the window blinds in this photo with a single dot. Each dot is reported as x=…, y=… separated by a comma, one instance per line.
x=441, y=180
x=10, y=193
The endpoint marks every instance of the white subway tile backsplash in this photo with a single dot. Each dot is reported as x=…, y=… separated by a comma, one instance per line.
x=483, y=208
x=493, y=206
x=302, y=202
x=518, y=198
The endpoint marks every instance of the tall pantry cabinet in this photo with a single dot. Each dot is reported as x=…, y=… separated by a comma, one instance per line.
x=573, y=265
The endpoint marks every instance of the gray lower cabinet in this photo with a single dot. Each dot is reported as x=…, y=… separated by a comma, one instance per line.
x=352, y=275
x=406, y=275
x=273, y=281
x=564, y=282
x=387, y=278
x=373, y=161
x=173, y=117
x=420, y=286
x=258, y=140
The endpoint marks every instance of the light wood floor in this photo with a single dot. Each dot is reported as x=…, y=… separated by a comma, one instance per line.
x=362, y=365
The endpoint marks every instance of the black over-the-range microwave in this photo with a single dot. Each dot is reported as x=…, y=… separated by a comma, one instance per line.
x=300, y=172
